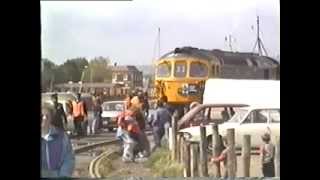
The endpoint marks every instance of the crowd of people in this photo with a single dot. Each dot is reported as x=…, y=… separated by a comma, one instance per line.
x=133, y=122
x=57, y=156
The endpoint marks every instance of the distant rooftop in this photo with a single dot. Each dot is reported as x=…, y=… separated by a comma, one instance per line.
x=124, y=68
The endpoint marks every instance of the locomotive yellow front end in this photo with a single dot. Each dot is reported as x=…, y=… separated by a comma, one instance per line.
x=181, y=80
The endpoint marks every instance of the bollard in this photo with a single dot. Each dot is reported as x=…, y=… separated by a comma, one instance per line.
x=277, y=157
x=216, y=149
x=203, y=152
x=194, y=159
x=186, y=158
x=174, y=137
x=231, y=157
x=246, y=149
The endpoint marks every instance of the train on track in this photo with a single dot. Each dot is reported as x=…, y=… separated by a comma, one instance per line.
x=181, y=74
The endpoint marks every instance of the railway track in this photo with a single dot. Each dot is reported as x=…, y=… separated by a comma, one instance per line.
x=88, y=148
x=89, y=152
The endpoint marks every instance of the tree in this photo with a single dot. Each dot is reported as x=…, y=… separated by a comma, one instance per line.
x=98, y=70
x=47, y=73
x=73, y=68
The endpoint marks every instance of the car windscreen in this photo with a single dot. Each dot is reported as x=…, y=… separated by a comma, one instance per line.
x=238, y=116
x=113, y=107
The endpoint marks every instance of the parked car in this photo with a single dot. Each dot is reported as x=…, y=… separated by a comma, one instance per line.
x=251, y=120
x=110, y=111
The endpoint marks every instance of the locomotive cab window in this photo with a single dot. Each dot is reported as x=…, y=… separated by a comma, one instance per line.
x=180, y=69
x=198, y=69
x=164, y=70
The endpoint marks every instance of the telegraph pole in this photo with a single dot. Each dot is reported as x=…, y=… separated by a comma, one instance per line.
x=259, y=41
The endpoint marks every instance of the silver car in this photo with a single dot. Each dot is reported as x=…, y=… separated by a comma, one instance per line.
x=110, y=111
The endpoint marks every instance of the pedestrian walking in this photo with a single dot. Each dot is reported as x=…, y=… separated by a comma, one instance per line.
x=57, y=156
x=59, y=114
x=160, y=118
x=70, y=124
x=267, y=150
x=79, y=113
x=97, y=111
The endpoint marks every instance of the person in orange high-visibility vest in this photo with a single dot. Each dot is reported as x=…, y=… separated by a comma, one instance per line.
x=79, y=113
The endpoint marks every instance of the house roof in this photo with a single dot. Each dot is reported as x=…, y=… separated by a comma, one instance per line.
x=124, y=68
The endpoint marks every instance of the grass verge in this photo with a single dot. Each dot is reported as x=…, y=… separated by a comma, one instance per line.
x=161, y=164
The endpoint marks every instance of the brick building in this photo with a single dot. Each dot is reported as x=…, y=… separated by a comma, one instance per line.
x=129, y=76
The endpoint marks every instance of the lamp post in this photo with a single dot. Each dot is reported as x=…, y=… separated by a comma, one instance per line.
x=82, y=75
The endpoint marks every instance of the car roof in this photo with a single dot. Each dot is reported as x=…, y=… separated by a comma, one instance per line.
x=187, y=117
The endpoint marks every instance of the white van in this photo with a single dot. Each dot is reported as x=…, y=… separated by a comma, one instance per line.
x=260, y=116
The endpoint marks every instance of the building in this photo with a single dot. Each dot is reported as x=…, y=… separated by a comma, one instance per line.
x=106, y=89
x=129, y=76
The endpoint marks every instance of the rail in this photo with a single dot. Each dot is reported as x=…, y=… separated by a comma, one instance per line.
x=85, y=148
x=95, y=163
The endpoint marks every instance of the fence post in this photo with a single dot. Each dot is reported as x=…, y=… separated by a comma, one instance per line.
x=181, y=148
x=194, y=159
x=203, y=152
x=277, y=157
x=170, y=139
x=246, y=150
x=186, y=158
x=166, y=132
x=231, y=157
x=174, y=137
x=216, y=147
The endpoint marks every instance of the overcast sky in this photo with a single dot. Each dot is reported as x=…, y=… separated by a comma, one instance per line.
x=127, y=31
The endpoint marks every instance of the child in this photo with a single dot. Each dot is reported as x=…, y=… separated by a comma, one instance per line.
x=223, y=156
x=267, y=156
x=128, y=130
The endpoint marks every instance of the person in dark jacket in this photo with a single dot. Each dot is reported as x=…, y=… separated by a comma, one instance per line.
x=160, y=118
x=59, y=114
x=57, y=156
x=97, y=111
x=145, y=106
